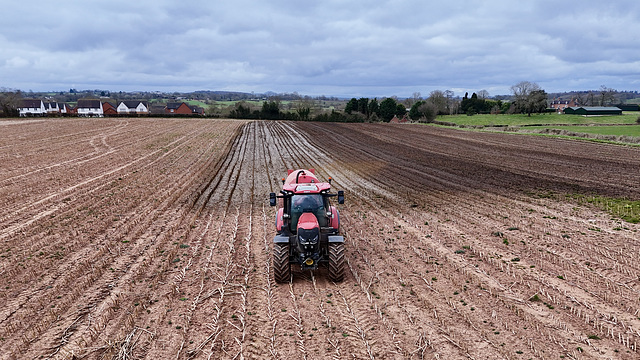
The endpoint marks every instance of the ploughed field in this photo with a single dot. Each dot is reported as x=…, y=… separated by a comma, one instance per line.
x=152, y=238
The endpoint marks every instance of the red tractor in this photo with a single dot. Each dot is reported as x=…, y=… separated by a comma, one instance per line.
x=308, y=227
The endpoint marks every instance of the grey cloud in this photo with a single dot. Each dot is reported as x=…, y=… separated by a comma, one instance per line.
x=287, y=45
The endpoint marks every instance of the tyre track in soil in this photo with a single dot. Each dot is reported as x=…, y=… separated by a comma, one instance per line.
x=351, y=324
x=310, y=334
x=77, y=192
x=171, y=316
x=169, y=200
x=99, y=150
x=349, y=332
x=170, y=340
x=16, y=144
x=561, y=323
x=29, y=191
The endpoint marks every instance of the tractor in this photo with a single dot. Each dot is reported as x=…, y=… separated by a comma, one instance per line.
x=307, y=227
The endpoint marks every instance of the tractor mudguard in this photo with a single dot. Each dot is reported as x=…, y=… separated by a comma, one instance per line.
x=280, y=239
x=334, y=221
x=279, y=219
x=336, y=239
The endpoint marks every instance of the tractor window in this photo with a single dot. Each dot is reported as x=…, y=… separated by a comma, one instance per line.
x=307, y=203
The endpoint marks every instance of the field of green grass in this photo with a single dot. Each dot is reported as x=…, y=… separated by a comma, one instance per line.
x=537, y=119
x=197, y=103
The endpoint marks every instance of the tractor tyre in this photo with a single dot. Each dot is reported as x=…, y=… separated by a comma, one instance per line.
x=336, y=262
x=281, y=266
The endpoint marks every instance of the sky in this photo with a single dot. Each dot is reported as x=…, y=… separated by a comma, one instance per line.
x=348, y=49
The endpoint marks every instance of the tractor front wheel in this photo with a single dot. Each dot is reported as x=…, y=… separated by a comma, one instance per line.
x=281, y=267
x=336, y=262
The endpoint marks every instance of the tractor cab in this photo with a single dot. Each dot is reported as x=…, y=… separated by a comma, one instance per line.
x=314, y=204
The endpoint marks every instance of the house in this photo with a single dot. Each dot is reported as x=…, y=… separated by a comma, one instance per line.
x=197, y=110
x=560, y=105
x=178, y=109
x=157, y=109
x=52, y=107
x=32, y=107
x=90, y=107
x=396, y=120
x=133, y=107
x=593, y=110
x=109, y=109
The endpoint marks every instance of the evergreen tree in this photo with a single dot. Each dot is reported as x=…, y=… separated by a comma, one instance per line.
x=374, y=108
x=388, y=108
x=351, y=106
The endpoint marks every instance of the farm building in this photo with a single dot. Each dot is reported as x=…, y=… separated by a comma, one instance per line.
x=32, y=107
x=629, y=107
x=593, y=110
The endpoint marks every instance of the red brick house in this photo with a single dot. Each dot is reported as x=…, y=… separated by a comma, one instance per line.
x=109, y=109
x=560, y=105
x=178, y=108
x=396, y=120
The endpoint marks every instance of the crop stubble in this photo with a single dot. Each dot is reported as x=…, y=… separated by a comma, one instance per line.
x=135, y=238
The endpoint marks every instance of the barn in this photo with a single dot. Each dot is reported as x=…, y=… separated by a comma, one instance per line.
x=593, y=110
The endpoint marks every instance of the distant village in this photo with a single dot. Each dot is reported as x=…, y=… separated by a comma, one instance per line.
x=98, y=108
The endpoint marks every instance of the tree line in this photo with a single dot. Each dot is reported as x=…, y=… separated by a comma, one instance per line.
x=526, y=98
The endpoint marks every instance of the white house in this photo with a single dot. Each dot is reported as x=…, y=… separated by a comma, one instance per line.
x=52, y=107
x=133, y=107
x=90, y=108
x=32, y=107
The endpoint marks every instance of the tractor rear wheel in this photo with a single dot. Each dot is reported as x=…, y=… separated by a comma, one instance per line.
x=281, y=267
x=336, y=262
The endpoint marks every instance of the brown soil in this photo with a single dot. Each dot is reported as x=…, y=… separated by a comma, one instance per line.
x=136, y=238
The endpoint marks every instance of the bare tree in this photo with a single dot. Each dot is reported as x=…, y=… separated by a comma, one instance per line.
x=451, y=106
x=483, y=94
x=607, y=95
x=522, y=89
x=9, y=102
x=529, y=97
x=304, y=108
x=439, y=101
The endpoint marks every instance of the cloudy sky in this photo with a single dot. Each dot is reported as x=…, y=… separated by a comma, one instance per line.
x=343, y=48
